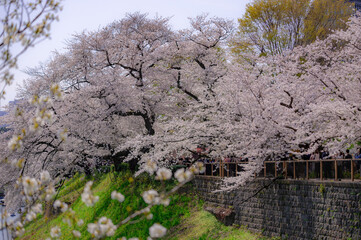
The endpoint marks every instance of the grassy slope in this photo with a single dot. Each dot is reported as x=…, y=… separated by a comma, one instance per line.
x=184, y=207
x=204, y=226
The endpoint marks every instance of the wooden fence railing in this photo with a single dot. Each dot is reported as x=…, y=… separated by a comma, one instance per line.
x=336, y=169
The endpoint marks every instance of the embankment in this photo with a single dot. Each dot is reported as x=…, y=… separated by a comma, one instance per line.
x=295, y=209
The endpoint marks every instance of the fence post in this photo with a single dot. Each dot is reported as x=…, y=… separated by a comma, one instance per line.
x=237, y=168
x=228, y=168
x=307, y=169
x=275, y=169
x=335, y=170
x=294, y=169
x=284, y=169
x=222, y=168
x=352, y=170
x=212, y=169
x=264, y=170
x=321, y=176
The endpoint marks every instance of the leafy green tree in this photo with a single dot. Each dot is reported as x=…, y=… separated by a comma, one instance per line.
x=324, y=17
x=273, y=26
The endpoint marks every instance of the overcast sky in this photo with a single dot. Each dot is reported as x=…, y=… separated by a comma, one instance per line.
x=79, y=15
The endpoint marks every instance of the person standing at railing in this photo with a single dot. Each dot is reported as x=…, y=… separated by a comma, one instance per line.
x=340, y=164
x=327, y=165
x=315, y=167
x=305, y=157
x=348, y=156
x=358, y=162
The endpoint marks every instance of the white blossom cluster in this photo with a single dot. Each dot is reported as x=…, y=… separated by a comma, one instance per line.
x=45, y=177
x=157, y=231
x=151, y=197
x=56, y=92
x=150, y=167
x=43, y=113
x=16, y=142
x=49, y=192
x=117, y=196
x=183, y=175
x=55, y=232
x=103, y=228
x=34, y=186
x=31, y=186
x=87, y=196
x=36, y=209
x=18, y=163
x=18, y=229
x=76, y=233
x=32, y=189
x=148, y=213
x=163, y=174
x=59, y=204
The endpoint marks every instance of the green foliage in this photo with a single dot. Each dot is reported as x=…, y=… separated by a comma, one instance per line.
x=269, y=27
x=132, y=189
x=203, y=225
x=184, y=217
x=346, y=174
x=322, y=189
x=312, y=175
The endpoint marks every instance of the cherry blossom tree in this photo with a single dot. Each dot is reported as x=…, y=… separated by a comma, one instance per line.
x=299, y=101
x=136, y=90
x=123, y=85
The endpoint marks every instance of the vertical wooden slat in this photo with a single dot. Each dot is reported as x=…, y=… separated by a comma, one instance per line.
x=335, y=170
x=286, y=164
x=321, y=176
x=284, y=169
x=222, y=168
x=212, y=169
x=294, y=169
x=275, y=169
x=237, y=169
x=228, y=168
x=264, y=170
x=352, y=170
x=307, y=170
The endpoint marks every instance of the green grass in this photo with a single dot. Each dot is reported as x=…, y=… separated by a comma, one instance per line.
x=202, y=225
x=184, y=217
x=102, y=187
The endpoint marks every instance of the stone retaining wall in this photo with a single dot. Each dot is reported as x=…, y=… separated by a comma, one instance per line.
x=292, y=209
